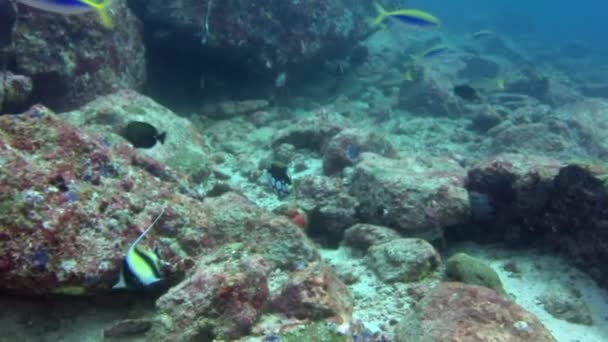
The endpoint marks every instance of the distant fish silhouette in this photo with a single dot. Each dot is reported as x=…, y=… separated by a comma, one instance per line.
x=466, y=92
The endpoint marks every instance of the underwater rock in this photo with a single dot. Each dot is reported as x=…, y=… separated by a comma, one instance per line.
x=363, y=236
x=16, y=90
x=519, y=189
x=312, y=132
x=230, y=109
x=478, y=67
x=330, y=209
x=128, y=328
x=485, y=119
x=595, y=90
x=586, y=127
x=282, y=243
x=565, y=303
x=403, y=260
x=470, y=270
x=325, y=331
x=416, y=197
x=184, y=148
x=221, y=299
x=314, y=293
x=345, y=148
x=428, y=92
x=73, y=59
x=256, y=36
x=575, y=220
x=83, y=202
x=460, y=312
x=532, y=85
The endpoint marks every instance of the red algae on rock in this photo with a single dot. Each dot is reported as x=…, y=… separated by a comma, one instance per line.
x=459, y=312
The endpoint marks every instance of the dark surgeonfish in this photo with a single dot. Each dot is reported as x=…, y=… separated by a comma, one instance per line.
x=141, y=266
x=142, y=135
x=466, y=92
x=279, y=179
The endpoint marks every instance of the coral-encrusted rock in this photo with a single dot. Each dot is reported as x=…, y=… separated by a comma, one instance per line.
x=519, y=186
x=429, y=93
x=415, y=197
x=260, y=35
x=128, y=328
x=230, y=109
x=280, y=241
x=312, y=132
x=566, y=303
x=71, y=205
x=363, y=236
x=222, y=299
x=184, y=147
x=73, y=59
x=459, y=312
x=403, y=260
x=314, y=293
x=14, y=90
x=330, y=209
x=345, y=148
x=584, y=122
x=575, y=219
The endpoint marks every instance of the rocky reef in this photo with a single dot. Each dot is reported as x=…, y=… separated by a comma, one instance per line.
x=386, y=174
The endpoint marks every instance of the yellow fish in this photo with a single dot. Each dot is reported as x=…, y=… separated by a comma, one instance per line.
x=68, y=7
x=141, y=267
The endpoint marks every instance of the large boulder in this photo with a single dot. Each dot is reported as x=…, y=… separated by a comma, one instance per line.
x=259, y=35
x=516, y=188
x=314, y=293
x=73, y=59
x=418, y=198
x=222, y=298
x=184, y=148
x=403, y=260
x=72, y=204
x=428, y=92
x=345, y=148
x=459, y=312
x=330, y=209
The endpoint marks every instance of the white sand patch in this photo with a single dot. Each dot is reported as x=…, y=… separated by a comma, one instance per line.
x=538, y=272
x=378, y=306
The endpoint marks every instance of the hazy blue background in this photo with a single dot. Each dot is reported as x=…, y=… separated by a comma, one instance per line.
x=551, y=21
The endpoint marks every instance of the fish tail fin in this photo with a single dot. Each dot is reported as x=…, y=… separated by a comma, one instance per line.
x=102, y=10
x=121, y=284
x=408, y=75
x=161, y=137
x=382, y=13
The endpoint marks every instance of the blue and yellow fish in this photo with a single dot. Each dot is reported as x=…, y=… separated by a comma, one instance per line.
x=412, y=17
x=67, y=7
x=431, y=52
x=141, y=266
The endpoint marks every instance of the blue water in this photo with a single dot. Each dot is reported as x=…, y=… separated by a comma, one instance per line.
x=552, y=22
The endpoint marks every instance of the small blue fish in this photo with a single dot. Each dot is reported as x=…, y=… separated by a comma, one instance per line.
x=68, y=7
x=433, y=51
x=141, y=267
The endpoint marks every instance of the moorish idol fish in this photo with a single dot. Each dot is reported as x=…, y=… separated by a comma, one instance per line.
x=141, y=266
